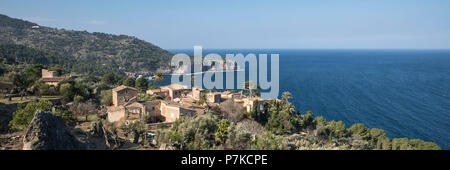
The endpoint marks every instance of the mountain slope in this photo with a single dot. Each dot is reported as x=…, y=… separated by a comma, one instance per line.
x=93, y=52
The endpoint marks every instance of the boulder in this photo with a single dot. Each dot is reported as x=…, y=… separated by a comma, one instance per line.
x=47, y=131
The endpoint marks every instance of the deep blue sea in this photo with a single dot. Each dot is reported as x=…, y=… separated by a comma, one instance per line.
x=405, y=92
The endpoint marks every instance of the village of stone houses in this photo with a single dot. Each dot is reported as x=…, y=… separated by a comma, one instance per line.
x=48, y=108
x=119, y=112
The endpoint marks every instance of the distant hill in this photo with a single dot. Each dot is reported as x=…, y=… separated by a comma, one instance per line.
x=81, y=51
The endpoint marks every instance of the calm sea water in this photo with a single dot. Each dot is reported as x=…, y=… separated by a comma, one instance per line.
x=405, y=92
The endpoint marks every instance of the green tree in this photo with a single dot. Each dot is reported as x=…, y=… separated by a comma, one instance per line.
x=34, y=72
x=159, y=77
x=78, y=98
x=338, y=129
x=66, y=90
x=320, y=121
x=106, y=97
x=129, y=82
x=222, y=130
x=256, y=113
x=324, y=132
x=377, y=138
x=361, y=130
x=308, y=120
x=18, y=80
x=387, y=145
x=251, y=89
x=279, y=121
x=58, y=69
x=418, y=144
x=152, y=86
x=413, y=144
x=194, y=133
x=109, y=79
x=400, y=144
x=66, y=115
x=266, y=142
x=40, y=88
x=141, y=83
x=22, y=117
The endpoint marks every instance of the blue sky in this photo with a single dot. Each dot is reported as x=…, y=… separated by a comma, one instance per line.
x=181, y=24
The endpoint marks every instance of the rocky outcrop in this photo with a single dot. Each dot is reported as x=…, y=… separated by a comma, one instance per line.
x=48, y=132
x=111, y=141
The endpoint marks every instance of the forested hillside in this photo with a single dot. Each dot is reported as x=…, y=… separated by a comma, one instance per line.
x=79, y=51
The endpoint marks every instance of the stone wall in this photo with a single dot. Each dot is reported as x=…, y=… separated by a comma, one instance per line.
x=196, y=93
x=116, y=114
x=49, y=74
x=170, y=113
x=123, y=96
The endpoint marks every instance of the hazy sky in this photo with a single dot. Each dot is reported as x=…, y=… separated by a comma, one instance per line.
x=181, y=24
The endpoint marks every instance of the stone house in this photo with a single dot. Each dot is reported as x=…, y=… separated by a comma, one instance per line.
x=123, y=94
x=52, y=77
x=247, y=103
x=159, y=92
x=49, y=74
x=231, y=95
x=126, y=107
x=176, y=90
x=213, y=97
x=171, y=111
x=116, y=113
x=135, y=110
x=197, y=92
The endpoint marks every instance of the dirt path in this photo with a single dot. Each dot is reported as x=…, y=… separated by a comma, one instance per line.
x=11, y=141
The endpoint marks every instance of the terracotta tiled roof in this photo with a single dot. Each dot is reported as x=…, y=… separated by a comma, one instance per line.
x=122, y=87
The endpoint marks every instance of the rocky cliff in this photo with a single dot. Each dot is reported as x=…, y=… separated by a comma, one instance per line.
x=48, y=132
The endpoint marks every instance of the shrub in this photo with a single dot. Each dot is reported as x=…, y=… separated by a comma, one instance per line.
x=22, y=117
x=66, y=115
x=194, y=133
x=129, y=82
x=323, y=132
x=361, y=130
x=222, y=130
x=338, y=129
x=141, y=84
x=78, y=98
x=106, y=97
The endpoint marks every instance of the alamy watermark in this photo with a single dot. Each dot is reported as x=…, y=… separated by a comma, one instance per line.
x=232, y=62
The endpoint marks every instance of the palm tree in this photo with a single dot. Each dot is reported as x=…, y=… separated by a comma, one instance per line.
x=159, y=77
x=286, y=96
x=252, y=88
